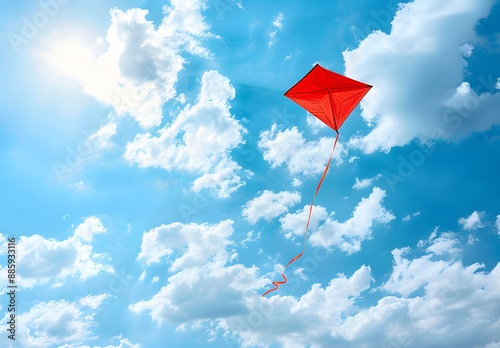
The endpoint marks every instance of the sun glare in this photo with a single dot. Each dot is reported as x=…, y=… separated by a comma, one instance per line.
x=69, y=57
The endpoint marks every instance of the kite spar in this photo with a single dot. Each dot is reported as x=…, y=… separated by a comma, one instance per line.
x=330, y=97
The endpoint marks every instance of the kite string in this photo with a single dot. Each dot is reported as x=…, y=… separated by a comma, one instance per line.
x=278, y=283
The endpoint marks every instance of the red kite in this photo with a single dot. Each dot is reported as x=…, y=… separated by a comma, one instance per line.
x=331, y=98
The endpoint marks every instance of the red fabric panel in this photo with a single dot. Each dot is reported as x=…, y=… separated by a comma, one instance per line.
x=329, y=96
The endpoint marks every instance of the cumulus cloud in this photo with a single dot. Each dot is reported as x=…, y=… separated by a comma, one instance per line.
x=431, y=302
x=294, y=224
x=456, y=306
x=61, y=323
x=428, y=41
x=202, y=242
x=205, y=285
x=88, y=228
x=300, y=156
x=49, y=259
x=54, y=323
x=138, y=71
x=349, y=234
x=269, y=205
x=473, y=221
x=199, y=140
x=498, y=223
x=309, y=320
x=364, y=183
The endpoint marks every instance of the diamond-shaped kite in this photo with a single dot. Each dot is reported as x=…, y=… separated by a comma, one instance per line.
x=327, y=95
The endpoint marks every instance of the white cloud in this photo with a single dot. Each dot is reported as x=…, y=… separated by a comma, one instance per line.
x=455, y=306
x=249, y=239
x=364, y=183
x=277, y=26
x=497, y=85
x=294, y=224
x=202, y=242
x=473, y=221
x=309, y=320
x=142, y=276
x=466, y=49
x=53, y=323
x=424, y=45
x=205, y=286
x=138, y=72
x=124, y=343
x=300, y=272
x=498, y=223
x=471, y=239
x=206, y=292
x=296, y=182
x=278, y=20
x=269, y=205
x=80, y=186
x=314, y=123
x=61, y=323
x=47, y=260
x=224, y=179
x=198, y=141
x=353, y=158
x=88, y=228
x=446, y=244
x=348, y=235
x=408, y=217
x=300, y=156
x=455, y=310
x=102, y=137
x=93, y=302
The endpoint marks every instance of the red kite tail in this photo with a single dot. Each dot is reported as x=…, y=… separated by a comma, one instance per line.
x=278, y=283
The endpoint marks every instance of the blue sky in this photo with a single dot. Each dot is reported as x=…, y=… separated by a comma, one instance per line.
x=157, y=180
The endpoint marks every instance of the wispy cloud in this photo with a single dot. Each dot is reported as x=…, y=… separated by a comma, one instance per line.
x=408, y=217
x=277, y=26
